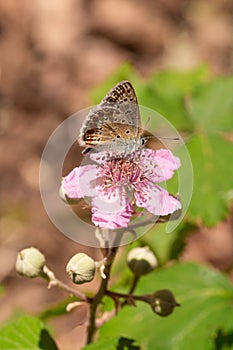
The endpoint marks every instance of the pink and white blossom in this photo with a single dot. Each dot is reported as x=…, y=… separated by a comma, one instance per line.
x=117, y=185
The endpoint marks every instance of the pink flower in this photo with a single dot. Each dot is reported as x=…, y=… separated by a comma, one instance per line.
x=116, y=185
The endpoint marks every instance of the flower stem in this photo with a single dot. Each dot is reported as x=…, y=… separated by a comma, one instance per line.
x=133, y=284
x=131, y=290
x=95, y=302
x=54, y=281
x=110, y=254
x=126, y=296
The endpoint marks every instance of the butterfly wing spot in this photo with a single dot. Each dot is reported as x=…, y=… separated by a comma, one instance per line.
x=90, y=132
x=127, y=131
x=111, y=99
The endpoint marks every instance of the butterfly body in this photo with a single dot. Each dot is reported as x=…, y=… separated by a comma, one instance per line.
x=114, y=125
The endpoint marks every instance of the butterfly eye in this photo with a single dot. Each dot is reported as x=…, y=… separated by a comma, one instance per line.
x=142, y=141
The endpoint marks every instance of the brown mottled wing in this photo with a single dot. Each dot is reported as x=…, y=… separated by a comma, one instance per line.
x=117, y=112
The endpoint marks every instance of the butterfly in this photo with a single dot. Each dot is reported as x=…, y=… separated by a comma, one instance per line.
x=114, y=125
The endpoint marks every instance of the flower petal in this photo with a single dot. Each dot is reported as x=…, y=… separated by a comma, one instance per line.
x=110, y=200
x=111, y=220
x=159, y=165
x=111, y=208
x=156, y=199
x=81, y=182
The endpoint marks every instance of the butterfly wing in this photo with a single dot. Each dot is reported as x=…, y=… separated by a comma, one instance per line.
x=117, y=116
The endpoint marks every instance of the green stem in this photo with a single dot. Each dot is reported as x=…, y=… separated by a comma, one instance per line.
x=133, y=284
x=145, y=298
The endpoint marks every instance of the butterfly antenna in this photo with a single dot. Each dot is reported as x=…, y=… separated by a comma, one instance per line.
x=159, y=137
x=147, y=122
x=169, y=138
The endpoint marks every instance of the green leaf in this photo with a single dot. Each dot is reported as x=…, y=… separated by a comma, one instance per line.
x=113, y=344
x=168, y=246
x=213, y=168
x=27, y=333
x=211, y=106
x=205, y=296
x=166, y=92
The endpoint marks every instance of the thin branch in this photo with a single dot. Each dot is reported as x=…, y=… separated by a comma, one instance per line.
x=134, y=283
x=126, y=296
x=54, y=281
x=128, y=300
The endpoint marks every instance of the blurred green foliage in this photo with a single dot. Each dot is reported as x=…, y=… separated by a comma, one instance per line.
x=201, y=106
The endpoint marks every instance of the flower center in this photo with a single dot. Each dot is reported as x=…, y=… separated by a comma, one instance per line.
x=120, y=172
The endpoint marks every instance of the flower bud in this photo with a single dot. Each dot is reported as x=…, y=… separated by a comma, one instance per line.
x=163, y=302
x=30, y=262
x=81, y=268
x=141, y=260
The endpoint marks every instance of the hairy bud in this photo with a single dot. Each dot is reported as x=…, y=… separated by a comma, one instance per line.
x=30, y=262
x=81, y=268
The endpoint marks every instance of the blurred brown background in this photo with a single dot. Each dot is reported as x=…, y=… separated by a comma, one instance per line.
x=51, y=54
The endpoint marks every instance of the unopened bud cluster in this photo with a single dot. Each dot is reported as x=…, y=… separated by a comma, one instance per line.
x=81, y=268
x=30, y=262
